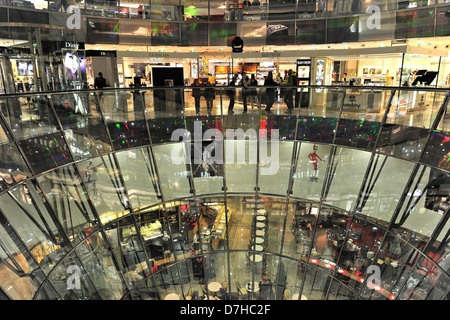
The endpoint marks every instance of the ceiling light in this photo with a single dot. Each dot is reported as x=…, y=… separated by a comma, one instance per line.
x=222, y=6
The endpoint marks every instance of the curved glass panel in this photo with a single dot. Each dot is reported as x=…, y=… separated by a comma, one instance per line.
x=275, y=167
x=105, y=187
x=69, y=201
x=379, y=193
x=240, y=164
x=347, y=172
x=36, y=226
x=173, y=171
x=139, y=173
x=81, y=119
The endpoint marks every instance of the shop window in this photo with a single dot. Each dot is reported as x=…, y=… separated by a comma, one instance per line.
x=342, y=30
x=282, y=33
x=108, y=8
x=165, y=33
x=311, y=32
x=221, y=34
x=443, y=21
x=102, y=31
x=194, y=34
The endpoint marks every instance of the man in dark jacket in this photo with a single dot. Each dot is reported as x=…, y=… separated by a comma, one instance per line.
x=231, y=93
x=245, y=83
x=99, y=83
x=196, y=93
x=289, y=95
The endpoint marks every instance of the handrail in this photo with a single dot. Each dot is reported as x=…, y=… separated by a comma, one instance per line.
x=220, y=88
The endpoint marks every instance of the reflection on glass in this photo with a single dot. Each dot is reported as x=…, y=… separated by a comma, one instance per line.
x=380, y=194
x=20, y=276
x=161, y=129
x=171, y=163
x=284, y=124
x=82, y=123
x=425, y=202
x=105, y=186
x=437, y=151
x=316, y=129
x=94, y=254
x=35, y=224
x=140, y=175
x=402, y=141
x=29, y=117
x=46, y=152
x=12, y=166
x=347, y=172
x=69, y=201
x=358, y=134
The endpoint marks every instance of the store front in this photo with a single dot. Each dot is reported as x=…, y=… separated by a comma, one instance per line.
x=159, y=69
x=375, y=67
x=65, y=65
x=18, y=70
x=141, y=64
x=258, y=65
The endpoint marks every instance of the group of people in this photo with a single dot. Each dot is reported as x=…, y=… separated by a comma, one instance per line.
x=248, y=92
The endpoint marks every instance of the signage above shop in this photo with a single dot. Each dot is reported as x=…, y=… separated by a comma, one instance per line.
x=49, y=47
x=271, y=54
x=304, y=62
x=99, y=53
x=158, y=55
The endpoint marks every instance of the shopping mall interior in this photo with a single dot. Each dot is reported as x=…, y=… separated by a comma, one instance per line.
x=166, y=178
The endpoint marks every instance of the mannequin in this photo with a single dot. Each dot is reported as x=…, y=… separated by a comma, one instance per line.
x=313, y=156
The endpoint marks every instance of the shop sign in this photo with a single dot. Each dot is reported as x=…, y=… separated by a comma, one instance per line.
x=70, y=45
x=303, y=62
x=158, y=55
x=271, y=54
x=97, y=53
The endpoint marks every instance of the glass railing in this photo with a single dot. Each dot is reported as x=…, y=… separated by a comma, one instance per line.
x=97, y=167
x=73, y=125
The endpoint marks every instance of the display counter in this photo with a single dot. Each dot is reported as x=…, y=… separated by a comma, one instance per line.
x=220, y=224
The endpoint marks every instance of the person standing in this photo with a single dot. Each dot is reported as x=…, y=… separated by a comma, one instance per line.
x=99, y=84
x=210, y=95
x=253, y=91
x=196, y=93
x=265, y=289
x=231, y=95
x=245, y=83
x=288, y=98
x=270, y=92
